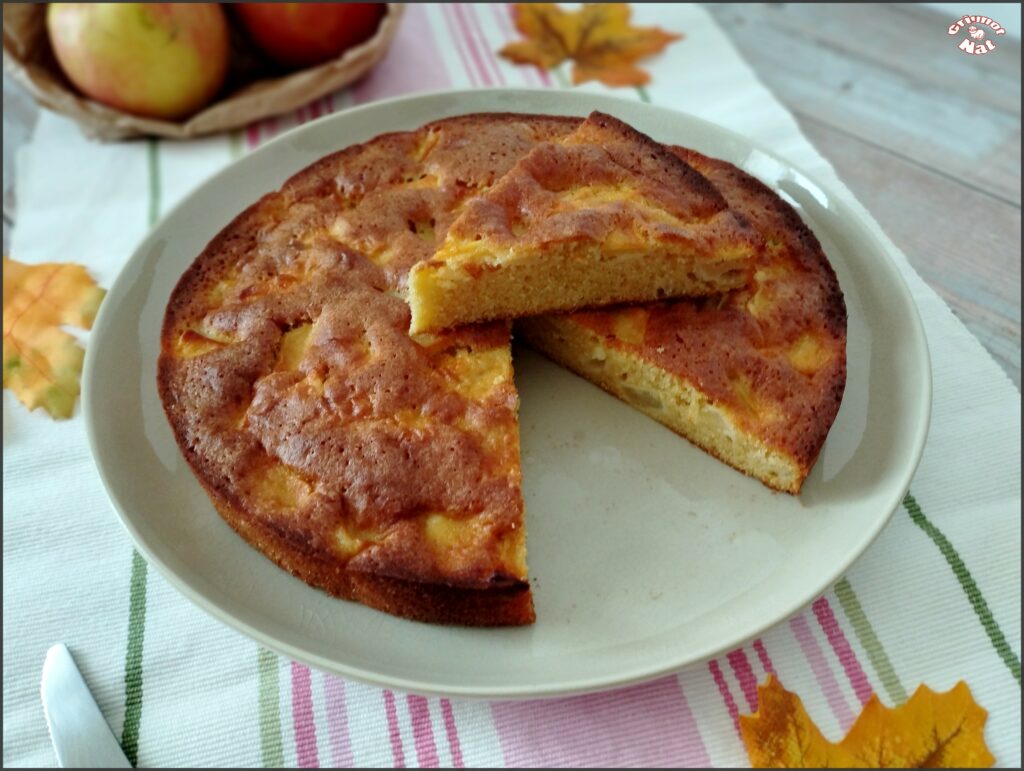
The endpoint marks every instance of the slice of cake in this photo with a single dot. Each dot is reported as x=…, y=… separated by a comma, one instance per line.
x=754, y=377
x=603, y=215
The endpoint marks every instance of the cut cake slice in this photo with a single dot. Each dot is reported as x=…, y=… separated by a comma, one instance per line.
x=604, y=215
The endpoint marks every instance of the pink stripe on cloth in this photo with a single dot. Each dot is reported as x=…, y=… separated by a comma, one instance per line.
x=762, y=655
x=307, y=113
x=252, y=135
x=337, y=723
x=459, y=43
x=723, y=689
x=490, y=56
x=748, y=683
x=822, y=673
x=645, y=725
x=302, y=717
x=839, y=643
x=467, y=37
x=454, y=746
x=413, y=62
x=423, y=732
x=393, y=733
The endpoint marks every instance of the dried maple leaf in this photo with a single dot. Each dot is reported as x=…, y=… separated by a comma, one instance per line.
x=597, y=37
x=42, y=363
x=931, y=730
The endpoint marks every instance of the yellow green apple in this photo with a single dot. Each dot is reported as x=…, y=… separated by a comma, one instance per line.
x=160, y=60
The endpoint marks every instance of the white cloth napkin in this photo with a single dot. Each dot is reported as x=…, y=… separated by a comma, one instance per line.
x=936, y=599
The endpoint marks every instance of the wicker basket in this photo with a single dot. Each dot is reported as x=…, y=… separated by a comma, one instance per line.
x=253, y=90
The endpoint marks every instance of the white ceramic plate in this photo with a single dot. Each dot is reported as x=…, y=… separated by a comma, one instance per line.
x=645, y=553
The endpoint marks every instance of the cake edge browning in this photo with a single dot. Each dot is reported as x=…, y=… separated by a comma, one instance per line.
x=414, y=600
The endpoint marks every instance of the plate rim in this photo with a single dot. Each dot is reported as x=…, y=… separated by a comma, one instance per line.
x=850, y=211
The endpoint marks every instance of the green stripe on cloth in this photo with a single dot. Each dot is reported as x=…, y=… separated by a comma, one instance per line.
x=869, y=641
x=560, y=77
x=271, y=746
x=153, y=166
x=140, y=572
x=133, y=660
x=967, y=582
x=235, y=144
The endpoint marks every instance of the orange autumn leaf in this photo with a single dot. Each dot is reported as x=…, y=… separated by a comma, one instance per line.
x=598, y=38
x=42, y=362
x=931, y=730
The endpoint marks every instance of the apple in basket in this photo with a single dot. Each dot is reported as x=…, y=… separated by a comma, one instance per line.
x=307, y=34
x=159, y=60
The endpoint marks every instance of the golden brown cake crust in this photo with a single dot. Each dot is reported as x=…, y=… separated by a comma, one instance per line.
x=394, y=189
x=333, y=442
x=602, y=152
x=498, y=605
x=774, y=353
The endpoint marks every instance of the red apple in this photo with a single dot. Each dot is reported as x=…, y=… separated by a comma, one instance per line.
x=160, y=60
x=305, y=34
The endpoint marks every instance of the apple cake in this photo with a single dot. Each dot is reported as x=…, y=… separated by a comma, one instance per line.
x=383, y=467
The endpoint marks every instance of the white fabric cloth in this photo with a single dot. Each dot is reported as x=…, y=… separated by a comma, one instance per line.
x=208, y=693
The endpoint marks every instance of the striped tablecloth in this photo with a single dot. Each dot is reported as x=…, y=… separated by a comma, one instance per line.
x=935, y=599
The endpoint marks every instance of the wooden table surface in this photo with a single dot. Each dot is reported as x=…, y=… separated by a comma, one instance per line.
x=926, y=137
